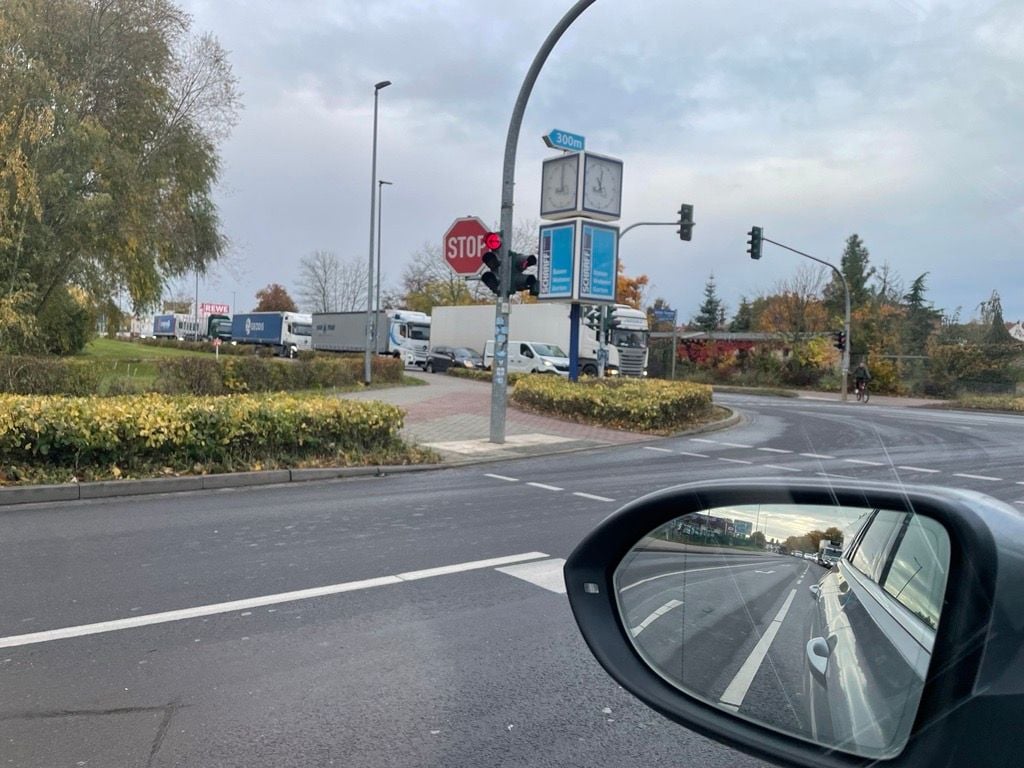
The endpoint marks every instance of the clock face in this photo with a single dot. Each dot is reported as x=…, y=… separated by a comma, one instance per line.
x=602, y=185
x=558, y=184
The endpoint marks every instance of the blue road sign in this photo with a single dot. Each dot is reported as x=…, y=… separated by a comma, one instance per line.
x=662, y=315
x=599, y=260
x=570, y=142
x=555, y=261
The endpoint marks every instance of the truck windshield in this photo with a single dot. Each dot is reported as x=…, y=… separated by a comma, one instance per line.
x=549, y=350
x=419, y=332
x=636, y=339
x=301, y=329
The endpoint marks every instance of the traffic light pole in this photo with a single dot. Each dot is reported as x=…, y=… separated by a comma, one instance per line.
x=499, y=381
x=846, y=291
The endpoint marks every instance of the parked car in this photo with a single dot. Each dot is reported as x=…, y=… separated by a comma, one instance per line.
x=440, y=359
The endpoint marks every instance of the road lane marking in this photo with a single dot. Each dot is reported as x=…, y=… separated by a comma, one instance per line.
x=1019, y=502
x=833, y=474
x=697, y=455
x=977, y=477
x=866, y=462
x=736, y=445
x=737, y=689
x=546, y=487
x=817, y=456
x=702, y=440
x=774, y=450
x=691, y=570
x=660, y=450
x=920, y=469
x=502, y=477
x=546, y=574
x=583, y=495
x=634, y=631
x=213, y=609
x=764, y=572
x=784, y=469
x=735, y=461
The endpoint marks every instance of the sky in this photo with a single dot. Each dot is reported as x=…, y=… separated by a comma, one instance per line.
x=898, y=120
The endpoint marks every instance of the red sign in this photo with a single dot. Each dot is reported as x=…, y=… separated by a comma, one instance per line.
x=214, y=309
x=464, y=246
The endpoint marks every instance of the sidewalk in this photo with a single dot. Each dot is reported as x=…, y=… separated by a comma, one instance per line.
x=453, y=416
x=906, y=402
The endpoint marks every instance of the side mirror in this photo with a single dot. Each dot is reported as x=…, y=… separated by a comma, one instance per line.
x=910, y=651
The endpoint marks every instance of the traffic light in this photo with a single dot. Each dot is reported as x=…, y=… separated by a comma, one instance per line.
x=754, y=243
x=685, y=221
x=592, y=318
x=840, y=340
x=492, y=277
x=521, y=281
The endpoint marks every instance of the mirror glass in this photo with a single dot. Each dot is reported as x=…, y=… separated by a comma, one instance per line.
x=815, y=621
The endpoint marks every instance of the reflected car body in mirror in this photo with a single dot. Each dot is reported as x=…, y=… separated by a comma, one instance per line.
x=877, y=657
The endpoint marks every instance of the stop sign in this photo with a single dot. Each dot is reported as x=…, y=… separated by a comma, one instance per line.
x=463, y=246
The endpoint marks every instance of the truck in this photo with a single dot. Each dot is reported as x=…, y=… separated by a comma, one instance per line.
x=218, y=327
x=473, y=326
x=400, y=333
x=287, y=333
x=175, y=326
x=829, y=552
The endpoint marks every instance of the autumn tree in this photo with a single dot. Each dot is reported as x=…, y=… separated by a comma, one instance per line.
x=328, y=284
x=795, y=307
x=274, y=298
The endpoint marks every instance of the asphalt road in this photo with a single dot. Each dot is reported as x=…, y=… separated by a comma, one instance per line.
x=380, y=660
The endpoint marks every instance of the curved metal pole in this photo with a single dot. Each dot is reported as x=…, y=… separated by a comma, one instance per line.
x=499, y=384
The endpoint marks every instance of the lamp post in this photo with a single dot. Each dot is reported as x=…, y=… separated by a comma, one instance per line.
x=367, y=375
x=380, y=231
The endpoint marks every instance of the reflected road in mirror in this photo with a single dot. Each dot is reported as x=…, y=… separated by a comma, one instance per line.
x=814, y=621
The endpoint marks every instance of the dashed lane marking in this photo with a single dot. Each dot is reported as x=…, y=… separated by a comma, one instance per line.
x=833, y=474
x=502, y=477
x=697, y=455
x=866, y=462
x=258, y=602
x=920, y=469
x=634, y=631
x=774, y=450
x=784, y=469
x=736, y=445
x=817, y=456
x=977, y=477
x=583, y=495
x=546, y=487
x=735, y=461
x=660, y=450
x=702, y=440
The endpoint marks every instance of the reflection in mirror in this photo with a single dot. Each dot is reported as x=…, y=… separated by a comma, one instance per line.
x=815, y=621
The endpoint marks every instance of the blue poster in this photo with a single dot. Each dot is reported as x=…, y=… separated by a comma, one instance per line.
x=598, y=262
x=555, y=261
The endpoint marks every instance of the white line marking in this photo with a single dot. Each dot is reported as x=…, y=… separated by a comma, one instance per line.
x=977, y=477
x=691, y=570
x=784, y=469
x=1020, y=482
x=660, y=450
x=65, y=633
x=919, y=469
x=546, y=574
x=737, y=445
x=833, y=474
x=546, y=487
x=774, y=450
x=1018, y=502
x=737, y=689
x=583, y=495
x=697, y=455
x=702, y=440
x=865, y=461
x=634, y=631
x=765, y=572
x=502, y=477
x=817, y=456
x=735, y=461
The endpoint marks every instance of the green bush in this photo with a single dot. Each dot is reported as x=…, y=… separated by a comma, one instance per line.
x=178, y=432
x=65, y=323
x=635, y=404
x=48, y=376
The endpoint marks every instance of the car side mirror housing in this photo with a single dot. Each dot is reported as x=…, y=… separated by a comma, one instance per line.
x=909, y=652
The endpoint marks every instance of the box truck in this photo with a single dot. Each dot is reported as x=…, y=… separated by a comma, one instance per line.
x=400, y=333
x=175, y=326
x=473, y=326
x=287, y=333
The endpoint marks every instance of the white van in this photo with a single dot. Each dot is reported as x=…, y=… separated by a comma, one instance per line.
x=531, y=357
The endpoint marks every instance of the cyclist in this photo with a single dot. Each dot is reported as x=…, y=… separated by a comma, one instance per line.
x=861, y=377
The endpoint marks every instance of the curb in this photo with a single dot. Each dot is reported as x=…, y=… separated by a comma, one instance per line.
x=104, y=489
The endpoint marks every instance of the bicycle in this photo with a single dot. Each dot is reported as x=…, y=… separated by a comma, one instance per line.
x=861, y=388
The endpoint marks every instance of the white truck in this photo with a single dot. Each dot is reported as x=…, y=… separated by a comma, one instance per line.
x=399, y=333
x=473, y=327
x=287, y=333
x=829, y=552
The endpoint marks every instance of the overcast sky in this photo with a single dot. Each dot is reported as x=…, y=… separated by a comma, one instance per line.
x=900, y=120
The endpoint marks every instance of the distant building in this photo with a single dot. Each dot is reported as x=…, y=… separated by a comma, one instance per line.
x=743, y=527
x=1016, y=330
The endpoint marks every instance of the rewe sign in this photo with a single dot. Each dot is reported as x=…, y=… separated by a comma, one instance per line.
x=463, y=246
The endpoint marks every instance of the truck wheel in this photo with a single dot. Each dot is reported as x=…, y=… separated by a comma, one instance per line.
x=430, y=367
x=589, y=370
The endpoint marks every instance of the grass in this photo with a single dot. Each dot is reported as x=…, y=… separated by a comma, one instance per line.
x=1007, y=403
x=115, y=349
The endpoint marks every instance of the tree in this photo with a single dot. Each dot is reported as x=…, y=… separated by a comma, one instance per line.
x=833, y=534
x=274, y=298
x=992, y=314
x=427, y=282
x=743, y=320
x=630, y=290
x=757, y=539
x=329, y=285
x=110, y=117
x=795, y=307
x=709, y=316
x=856, y=268
x=922, y=319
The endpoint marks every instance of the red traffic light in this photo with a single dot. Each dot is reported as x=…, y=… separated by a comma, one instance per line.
x=492, y=240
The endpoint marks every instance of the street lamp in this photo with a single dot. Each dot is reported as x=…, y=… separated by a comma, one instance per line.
x=380, y=230
x=367, y=376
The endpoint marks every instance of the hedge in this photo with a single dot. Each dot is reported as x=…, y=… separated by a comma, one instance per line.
x=635, y=404
x=480, y=375
x=179, y=432
x=48, y=376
